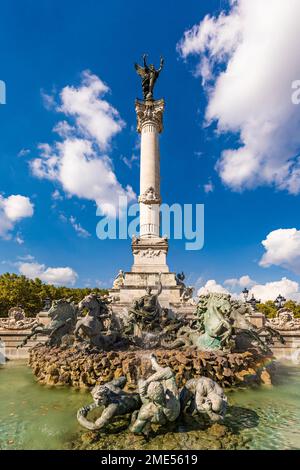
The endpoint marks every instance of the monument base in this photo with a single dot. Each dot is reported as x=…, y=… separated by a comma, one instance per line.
x=150, y=255
x=135, y=284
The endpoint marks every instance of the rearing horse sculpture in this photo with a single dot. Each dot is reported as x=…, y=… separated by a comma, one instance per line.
x=212, y=322
x=90, y=328
x=213, y=330
x=63, y=316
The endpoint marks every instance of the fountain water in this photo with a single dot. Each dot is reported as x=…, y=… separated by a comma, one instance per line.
x=37, y=417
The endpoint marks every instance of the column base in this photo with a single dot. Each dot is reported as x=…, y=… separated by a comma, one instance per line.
x=135, y=284
x=150, y=255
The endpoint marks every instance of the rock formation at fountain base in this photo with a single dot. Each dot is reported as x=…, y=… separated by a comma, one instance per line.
x=81, y=369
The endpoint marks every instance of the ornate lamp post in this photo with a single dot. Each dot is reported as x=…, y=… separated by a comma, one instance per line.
x=245, y=293
x=279, y=301
x=253, y=301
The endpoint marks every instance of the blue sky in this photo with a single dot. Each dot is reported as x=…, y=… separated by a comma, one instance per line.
x=44, y=47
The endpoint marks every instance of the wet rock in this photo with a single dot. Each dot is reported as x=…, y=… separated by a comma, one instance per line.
x=50, y=366
x=265, y=377
x=64, y=378
x=163, y=439
x=218, y=430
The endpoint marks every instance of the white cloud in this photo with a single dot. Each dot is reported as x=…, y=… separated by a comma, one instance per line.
x=129, y=161
x=56, y=195
x=47, y=165
x=19, y=239
x=58, y=276
x=13, y=209
x=26, y=258
x=94, y=116
x=82, y=173
x=6, y=225
x=212, y=286
x=23, y=152
x=208, y=187
x=48, y=100
x=257, y=46
x=82, y=232
x=64, y=129
x=78, y=161
x=282, y=249
x=63, y=217
x=269, y=291
x=17, y=207
x=243, y=281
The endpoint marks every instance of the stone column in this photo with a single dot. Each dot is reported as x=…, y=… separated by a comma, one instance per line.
x=149, y=115
x=149, y=250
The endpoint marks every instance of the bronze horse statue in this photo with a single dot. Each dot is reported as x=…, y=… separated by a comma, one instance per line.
x=90, y=329
x=213, y=322
x=63, y=315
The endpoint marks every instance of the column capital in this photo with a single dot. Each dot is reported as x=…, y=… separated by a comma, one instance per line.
x=150, y=111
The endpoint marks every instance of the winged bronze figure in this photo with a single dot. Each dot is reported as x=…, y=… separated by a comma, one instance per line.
x=149, y=75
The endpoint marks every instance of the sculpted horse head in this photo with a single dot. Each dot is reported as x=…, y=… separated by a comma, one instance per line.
x=93, y=304
x=213, y=305
x=62, y=310
x=63, y=315
x=219, y=303
x=92, y=326
x=213, y=316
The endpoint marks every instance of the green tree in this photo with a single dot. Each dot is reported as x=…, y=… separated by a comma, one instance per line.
x=268, y=309
x=18, y=290
x=294, y=307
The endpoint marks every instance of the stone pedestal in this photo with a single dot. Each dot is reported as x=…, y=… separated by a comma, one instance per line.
x=150, y=255
x=135, y=284
x=257, y=319
x=11, y=339
x=43, y=318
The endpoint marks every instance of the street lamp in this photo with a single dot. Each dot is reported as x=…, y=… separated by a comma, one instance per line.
x=279, y=301
x=245, y=293
x=253, y=302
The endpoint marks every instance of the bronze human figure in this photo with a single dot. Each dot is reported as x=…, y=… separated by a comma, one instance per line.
x=160, y=399
x=146, y=311
x=115, y=400
x=204, y=395
x=149, y=75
